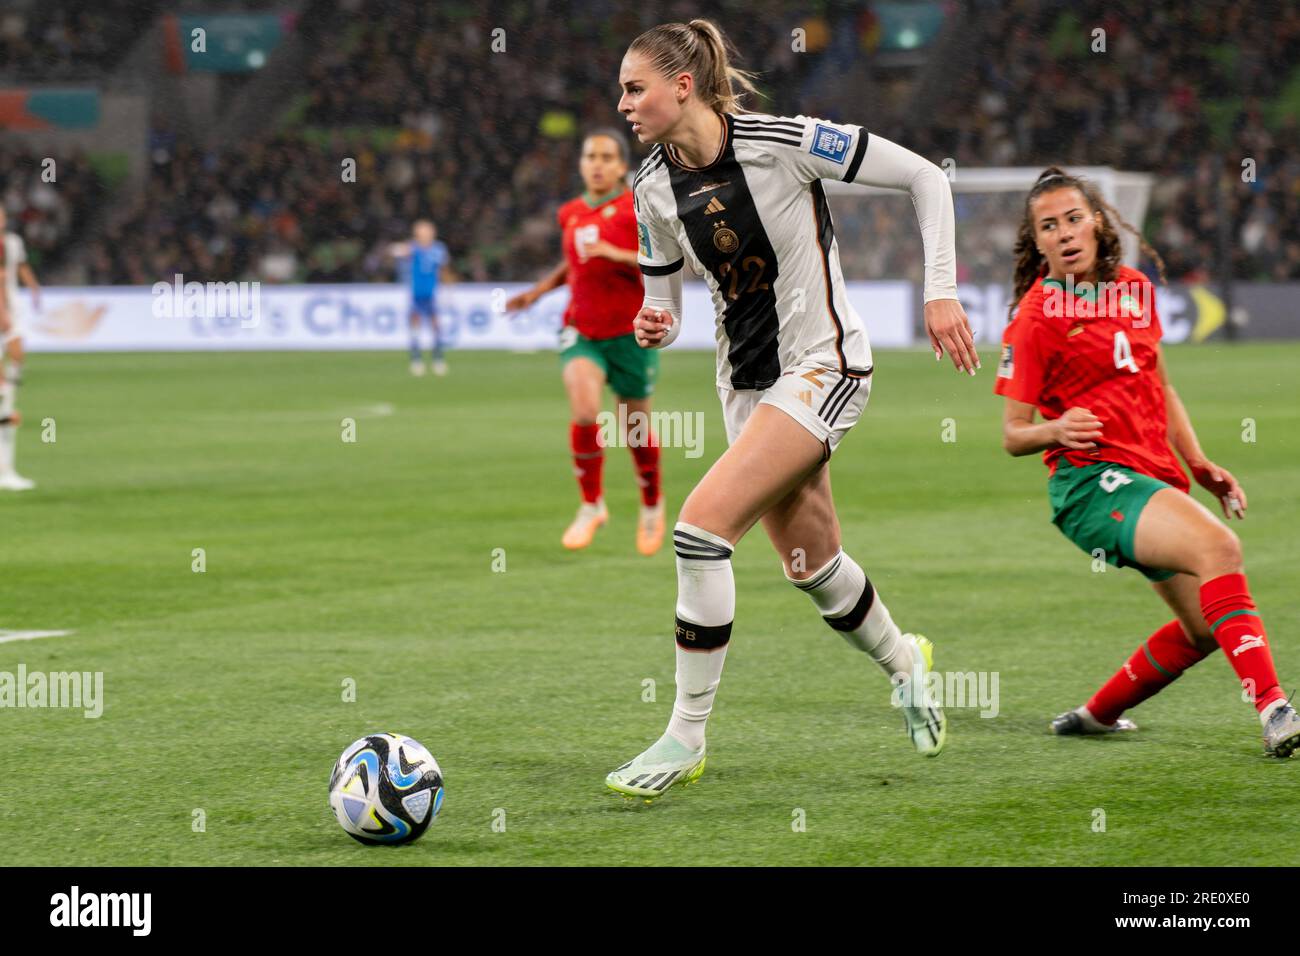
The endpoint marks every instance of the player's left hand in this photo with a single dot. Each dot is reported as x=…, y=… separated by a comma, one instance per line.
x=1220, y=483
x=650, y=326
x=949, y=330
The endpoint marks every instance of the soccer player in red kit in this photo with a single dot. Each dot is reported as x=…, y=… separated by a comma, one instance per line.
x=597, y=344
x=1083, y=350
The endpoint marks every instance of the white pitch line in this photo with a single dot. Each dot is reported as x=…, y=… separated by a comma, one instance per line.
x=7, y=636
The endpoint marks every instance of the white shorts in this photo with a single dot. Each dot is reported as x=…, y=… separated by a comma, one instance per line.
x=823, y=400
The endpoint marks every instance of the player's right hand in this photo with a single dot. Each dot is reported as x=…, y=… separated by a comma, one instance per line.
x=650, y=326
x=1077, y=429
x=521, y=301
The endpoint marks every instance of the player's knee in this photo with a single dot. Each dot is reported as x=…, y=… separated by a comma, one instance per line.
x=584, y=405
x=696, y=513
x=1221, y=554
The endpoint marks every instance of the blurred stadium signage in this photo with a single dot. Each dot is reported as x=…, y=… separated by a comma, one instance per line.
x=375, y=317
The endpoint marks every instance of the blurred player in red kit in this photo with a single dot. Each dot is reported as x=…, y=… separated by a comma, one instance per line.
x=597, y=345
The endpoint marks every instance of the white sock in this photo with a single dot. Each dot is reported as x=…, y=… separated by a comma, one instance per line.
x=706, y=606
x=851, y=606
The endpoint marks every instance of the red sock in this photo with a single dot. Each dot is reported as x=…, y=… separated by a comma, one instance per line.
x=1154, y=665
x=588, y=459
x=645, y=459
x=1238, y=628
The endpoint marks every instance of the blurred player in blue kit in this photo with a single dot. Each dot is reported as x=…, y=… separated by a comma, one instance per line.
x=422, y=261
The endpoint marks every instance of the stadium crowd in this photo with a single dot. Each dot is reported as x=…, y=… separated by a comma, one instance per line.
x=441, y=122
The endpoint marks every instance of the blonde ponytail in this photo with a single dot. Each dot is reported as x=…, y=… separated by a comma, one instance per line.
x=701, y=49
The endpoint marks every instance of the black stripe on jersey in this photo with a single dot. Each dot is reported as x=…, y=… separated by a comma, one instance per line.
x=655, y=152
x=858, y=153
x=742, y=262
x=649, y=164
x=662, y=270
x=770, y=139
x=785, y=125
x=826, y=236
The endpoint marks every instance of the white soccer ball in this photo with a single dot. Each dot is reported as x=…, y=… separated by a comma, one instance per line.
x=386, y=788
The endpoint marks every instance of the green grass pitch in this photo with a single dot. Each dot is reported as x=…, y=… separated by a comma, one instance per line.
x=373, y=560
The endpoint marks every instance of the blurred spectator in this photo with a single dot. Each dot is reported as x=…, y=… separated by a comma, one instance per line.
x=440, y=124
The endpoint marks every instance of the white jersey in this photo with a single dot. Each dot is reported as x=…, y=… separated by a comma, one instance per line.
x=756, y=225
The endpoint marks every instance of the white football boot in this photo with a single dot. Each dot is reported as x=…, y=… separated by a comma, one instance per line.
x=922, y=714
x=665, y=763
x=12, y=481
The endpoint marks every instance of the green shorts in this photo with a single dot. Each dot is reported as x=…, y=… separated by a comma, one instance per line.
x=1097, y=507
x=629, y=369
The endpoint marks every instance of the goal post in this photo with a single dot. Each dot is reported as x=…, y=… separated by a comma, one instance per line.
x=878, y=239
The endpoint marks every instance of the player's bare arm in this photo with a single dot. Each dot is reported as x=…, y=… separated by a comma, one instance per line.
x=1078, y=428
x=553, y=280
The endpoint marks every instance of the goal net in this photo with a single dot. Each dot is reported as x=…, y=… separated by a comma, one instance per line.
x=878, y=239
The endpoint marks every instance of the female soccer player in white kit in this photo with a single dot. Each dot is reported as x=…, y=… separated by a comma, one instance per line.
x=13, y=266
x=738, y=197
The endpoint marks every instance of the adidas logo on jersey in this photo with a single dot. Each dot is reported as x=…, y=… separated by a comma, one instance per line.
x=715, y=205
x=805, y=396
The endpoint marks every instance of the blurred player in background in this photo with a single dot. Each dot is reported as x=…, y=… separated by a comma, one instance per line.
x=596, y=342
x=739, y=196
x=14, y=261
x=1096, y=374
x=423, y=260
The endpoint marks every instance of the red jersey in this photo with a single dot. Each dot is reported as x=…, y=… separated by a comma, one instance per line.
x=604, y=295
x=1099, y=352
